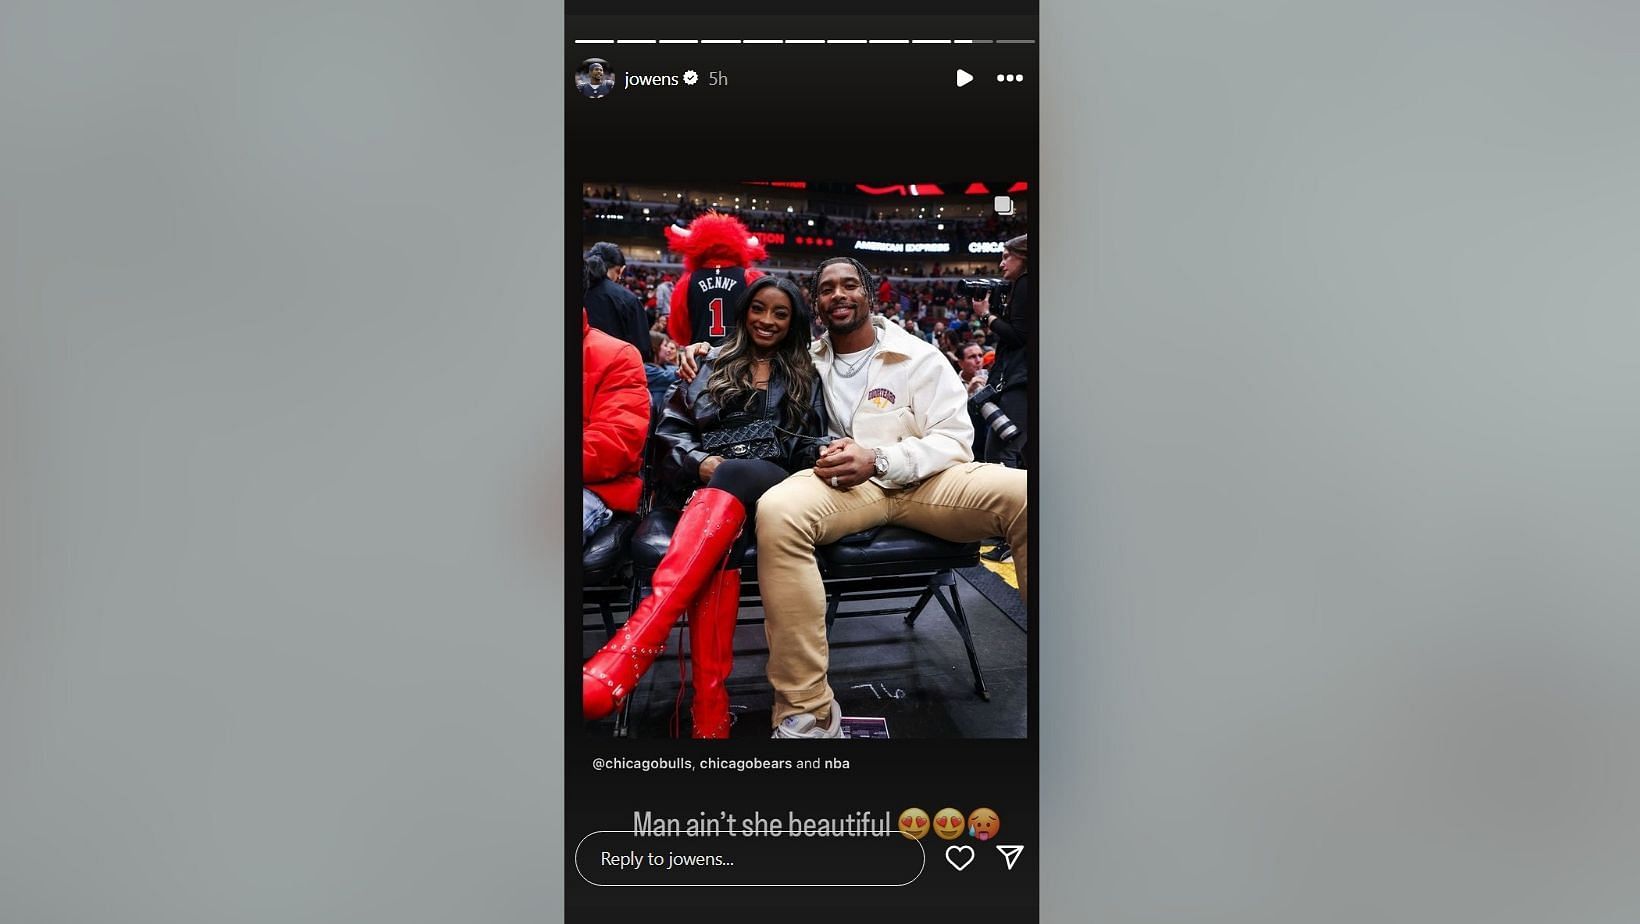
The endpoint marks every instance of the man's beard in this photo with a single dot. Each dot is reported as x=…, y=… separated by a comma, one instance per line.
x=861, y=316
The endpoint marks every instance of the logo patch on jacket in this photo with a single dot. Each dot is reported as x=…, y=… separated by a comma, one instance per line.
x=881, y=397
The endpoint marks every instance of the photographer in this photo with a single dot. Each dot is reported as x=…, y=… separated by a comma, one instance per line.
x=1010, y=373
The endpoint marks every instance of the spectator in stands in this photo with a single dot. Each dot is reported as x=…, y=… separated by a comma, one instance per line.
x=614, y=423
x=663, y=372
x=611, y=307
x=663, y=295
x=925, y=327
x=900, y=455
x=971, y=369
x=751, y=416
x=949, y=345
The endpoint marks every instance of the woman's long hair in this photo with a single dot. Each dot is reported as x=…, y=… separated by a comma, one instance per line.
x=732, y=376
x=656, y=341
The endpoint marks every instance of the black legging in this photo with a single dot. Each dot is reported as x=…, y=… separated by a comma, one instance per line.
x=746, y=479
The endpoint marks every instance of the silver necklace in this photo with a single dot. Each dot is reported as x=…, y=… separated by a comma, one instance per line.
x=854, y=367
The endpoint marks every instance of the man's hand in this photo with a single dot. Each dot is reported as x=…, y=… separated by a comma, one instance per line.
x=845, y=464
x=687, y=364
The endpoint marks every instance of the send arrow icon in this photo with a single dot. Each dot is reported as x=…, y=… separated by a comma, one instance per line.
x=1010, y=853
x=964, y=78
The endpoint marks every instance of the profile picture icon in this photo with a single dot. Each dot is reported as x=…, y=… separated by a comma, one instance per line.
x=592, y=78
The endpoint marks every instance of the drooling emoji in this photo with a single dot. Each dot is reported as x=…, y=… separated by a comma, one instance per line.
x=984, y=824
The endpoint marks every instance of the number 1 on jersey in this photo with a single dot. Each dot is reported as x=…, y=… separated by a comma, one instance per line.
x=717, y=329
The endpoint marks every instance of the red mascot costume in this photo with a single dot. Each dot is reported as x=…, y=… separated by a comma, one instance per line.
x=718, y=253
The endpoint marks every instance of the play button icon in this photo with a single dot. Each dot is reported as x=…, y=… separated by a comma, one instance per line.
x=964, y=78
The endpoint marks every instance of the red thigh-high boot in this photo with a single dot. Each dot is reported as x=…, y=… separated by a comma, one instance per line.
x=706, y=531
x=712, y=652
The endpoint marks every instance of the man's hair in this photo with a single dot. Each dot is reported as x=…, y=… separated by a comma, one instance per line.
x=865, y=274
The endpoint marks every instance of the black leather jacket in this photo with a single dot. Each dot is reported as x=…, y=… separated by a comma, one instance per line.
x=1013, y=332
x=689, y=411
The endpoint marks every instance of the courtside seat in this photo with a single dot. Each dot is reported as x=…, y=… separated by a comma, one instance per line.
x=654, y=536
x=885, y=562
x=606, y=552
x=880, y=550
x=607, y=582
x=894, y=550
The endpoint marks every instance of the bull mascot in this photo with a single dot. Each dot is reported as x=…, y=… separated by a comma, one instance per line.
x=718, y=253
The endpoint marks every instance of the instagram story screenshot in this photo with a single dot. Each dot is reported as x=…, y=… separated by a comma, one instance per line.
x=801, y=243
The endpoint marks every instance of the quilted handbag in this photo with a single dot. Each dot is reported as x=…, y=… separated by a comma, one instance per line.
x=753, y=440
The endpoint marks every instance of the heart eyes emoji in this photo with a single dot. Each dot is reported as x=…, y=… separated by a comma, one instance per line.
x=914, y=823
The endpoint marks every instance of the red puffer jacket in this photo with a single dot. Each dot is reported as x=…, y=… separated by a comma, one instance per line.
x=614, y=418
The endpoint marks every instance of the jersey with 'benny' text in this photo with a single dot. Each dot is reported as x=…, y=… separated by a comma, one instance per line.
x=711, y=299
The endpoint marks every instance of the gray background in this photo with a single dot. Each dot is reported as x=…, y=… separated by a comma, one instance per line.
x=1338, y=599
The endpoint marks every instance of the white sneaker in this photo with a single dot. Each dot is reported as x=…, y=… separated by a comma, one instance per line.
x=804, y=725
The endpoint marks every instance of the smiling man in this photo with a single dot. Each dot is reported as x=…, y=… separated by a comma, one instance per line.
x=598, y=83
x=901, y=453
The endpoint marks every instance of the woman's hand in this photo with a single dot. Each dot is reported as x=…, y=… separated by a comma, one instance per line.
x=687, y=364
x=708, y=466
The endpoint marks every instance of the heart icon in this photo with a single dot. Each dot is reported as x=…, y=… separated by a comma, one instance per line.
x=964, y=851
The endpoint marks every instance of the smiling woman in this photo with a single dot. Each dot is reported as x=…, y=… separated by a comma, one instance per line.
x=768, y=318
x=749, y=417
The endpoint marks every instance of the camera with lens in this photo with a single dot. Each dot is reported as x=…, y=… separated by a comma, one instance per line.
x=984, y=401
x=984, y=288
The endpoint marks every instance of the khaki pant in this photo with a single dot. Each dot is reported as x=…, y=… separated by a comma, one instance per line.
x=962, y=504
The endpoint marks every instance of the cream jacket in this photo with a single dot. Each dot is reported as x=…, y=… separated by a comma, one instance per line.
x=915, y=407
